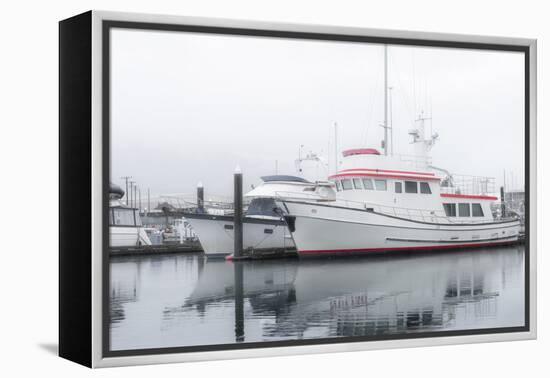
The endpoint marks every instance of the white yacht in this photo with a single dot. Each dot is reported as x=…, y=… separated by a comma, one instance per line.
x=125, y=227
x=263, y=223
x=391, y=203
x=386, y=202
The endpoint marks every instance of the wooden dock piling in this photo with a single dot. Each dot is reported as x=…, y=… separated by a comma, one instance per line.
x=238, y=214
x=200, y=198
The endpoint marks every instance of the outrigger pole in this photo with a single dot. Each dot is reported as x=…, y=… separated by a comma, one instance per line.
x=385, y=100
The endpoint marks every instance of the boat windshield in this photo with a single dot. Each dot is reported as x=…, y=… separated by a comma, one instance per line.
x=262, y=206
x=120, y=216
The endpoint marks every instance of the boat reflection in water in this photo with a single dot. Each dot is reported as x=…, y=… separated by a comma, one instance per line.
x=184, y=300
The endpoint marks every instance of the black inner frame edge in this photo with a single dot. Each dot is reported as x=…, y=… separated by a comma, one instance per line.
x=107, y=25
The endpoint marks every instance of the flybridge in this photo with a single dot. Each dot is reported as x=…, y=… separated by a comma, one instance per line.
x=360, y=151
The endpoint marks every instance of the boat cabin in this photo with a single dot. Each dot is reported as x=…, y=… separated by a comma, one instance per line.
x=392, y=186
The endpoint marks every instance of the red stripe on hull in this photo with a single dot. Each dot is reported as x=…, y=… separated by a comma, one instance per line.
x=451, y=195
x=395, y=249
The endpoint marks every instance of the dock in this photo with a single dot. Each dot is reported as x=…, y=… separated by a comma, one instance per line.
x=264, y=253
x=144, y=250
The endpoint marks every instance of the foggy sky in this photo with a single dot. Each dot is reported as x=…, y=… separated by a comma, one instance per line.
x=190, y=107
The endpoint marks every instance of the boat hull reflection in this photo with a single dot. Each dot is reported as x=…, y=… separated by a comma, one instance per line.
x=186, y=300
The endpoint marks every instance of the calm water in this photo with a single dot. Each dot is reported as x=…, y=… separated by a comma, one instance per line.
x=182, y=300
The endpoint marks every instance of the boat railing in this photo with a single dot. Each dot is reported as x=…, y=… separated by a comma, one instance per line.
x=190, y=201
x=470, y=185
x=313, y=196
x=423, y=215
x=415, y=161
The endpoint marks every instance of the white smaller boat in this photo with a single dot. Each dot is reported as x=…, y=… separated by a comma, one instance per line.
x=263, y=225
x=125, y=226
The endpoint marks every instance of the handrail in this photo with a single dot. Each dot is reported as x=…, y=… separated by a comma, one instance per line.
x=434, y=216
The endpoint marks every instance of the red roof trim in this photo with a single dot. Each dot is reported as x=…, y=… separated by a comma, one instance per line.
x=395, y=249
x=451, y=195
x=361, y=151
x=366, y=174
x=389, y=171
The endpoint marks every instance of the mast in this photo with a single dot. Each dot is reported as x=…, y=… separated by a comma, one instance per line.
x=335, y=147
x=385, y=99
x=391, y=121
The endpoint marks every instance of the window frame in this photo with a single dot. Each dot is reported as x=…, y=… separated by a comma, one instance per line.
x=400, y=191
x=452, y=206
x=424, y=184
x=477, y=205
x=461, y=205
x=371, y=183
x=415, y=186
x=127, y=214
x=350, y=184
x=385, y=185
x=137, y=218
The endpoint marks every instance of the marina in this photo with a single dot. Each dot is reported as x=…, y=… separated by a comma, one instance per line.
x=370, y=201
x=339, y=198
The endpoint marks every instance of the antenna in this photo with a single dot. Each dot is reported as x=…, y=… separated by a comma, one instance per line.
x=126, y=178
x=391, y=121
x=335, y=147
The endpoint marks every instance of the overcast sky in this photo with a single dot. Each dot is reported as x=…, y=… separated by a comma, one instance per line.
x=190, y=107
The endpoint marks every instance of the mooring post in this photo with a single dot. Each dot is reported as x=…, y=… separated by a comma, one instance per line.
x=238, y=217
x=502, y=204
x=200, y=198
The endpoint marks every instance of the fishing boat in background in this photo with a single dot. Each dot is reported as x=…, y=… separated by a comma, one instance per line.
x=125, y=226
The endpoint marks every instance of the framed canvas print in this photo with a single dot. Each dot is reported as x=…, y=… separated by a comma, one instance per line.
x=232, y=189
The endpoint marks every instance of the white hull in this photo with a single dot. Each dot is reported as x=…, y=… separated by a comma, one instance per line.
x=215, y=233
x=121, y=236
x=325, y=229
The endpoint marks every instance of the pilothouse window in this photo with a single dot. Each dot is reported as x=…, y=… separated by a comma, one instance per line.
x=411, y=187
x=398, y=187
x=367, y=183
x=137, y=218
x=338, y=186
x=123, y=217
x=477, y=211
x=380, y=184
x=346, y=184
x=425, y=188
x=357, y=183
x=463, y=209
x=450, y=209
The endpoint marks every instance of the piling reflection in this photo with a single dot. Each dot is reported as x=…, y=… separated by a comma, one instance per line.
x=185, y=300
x=239, y=302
